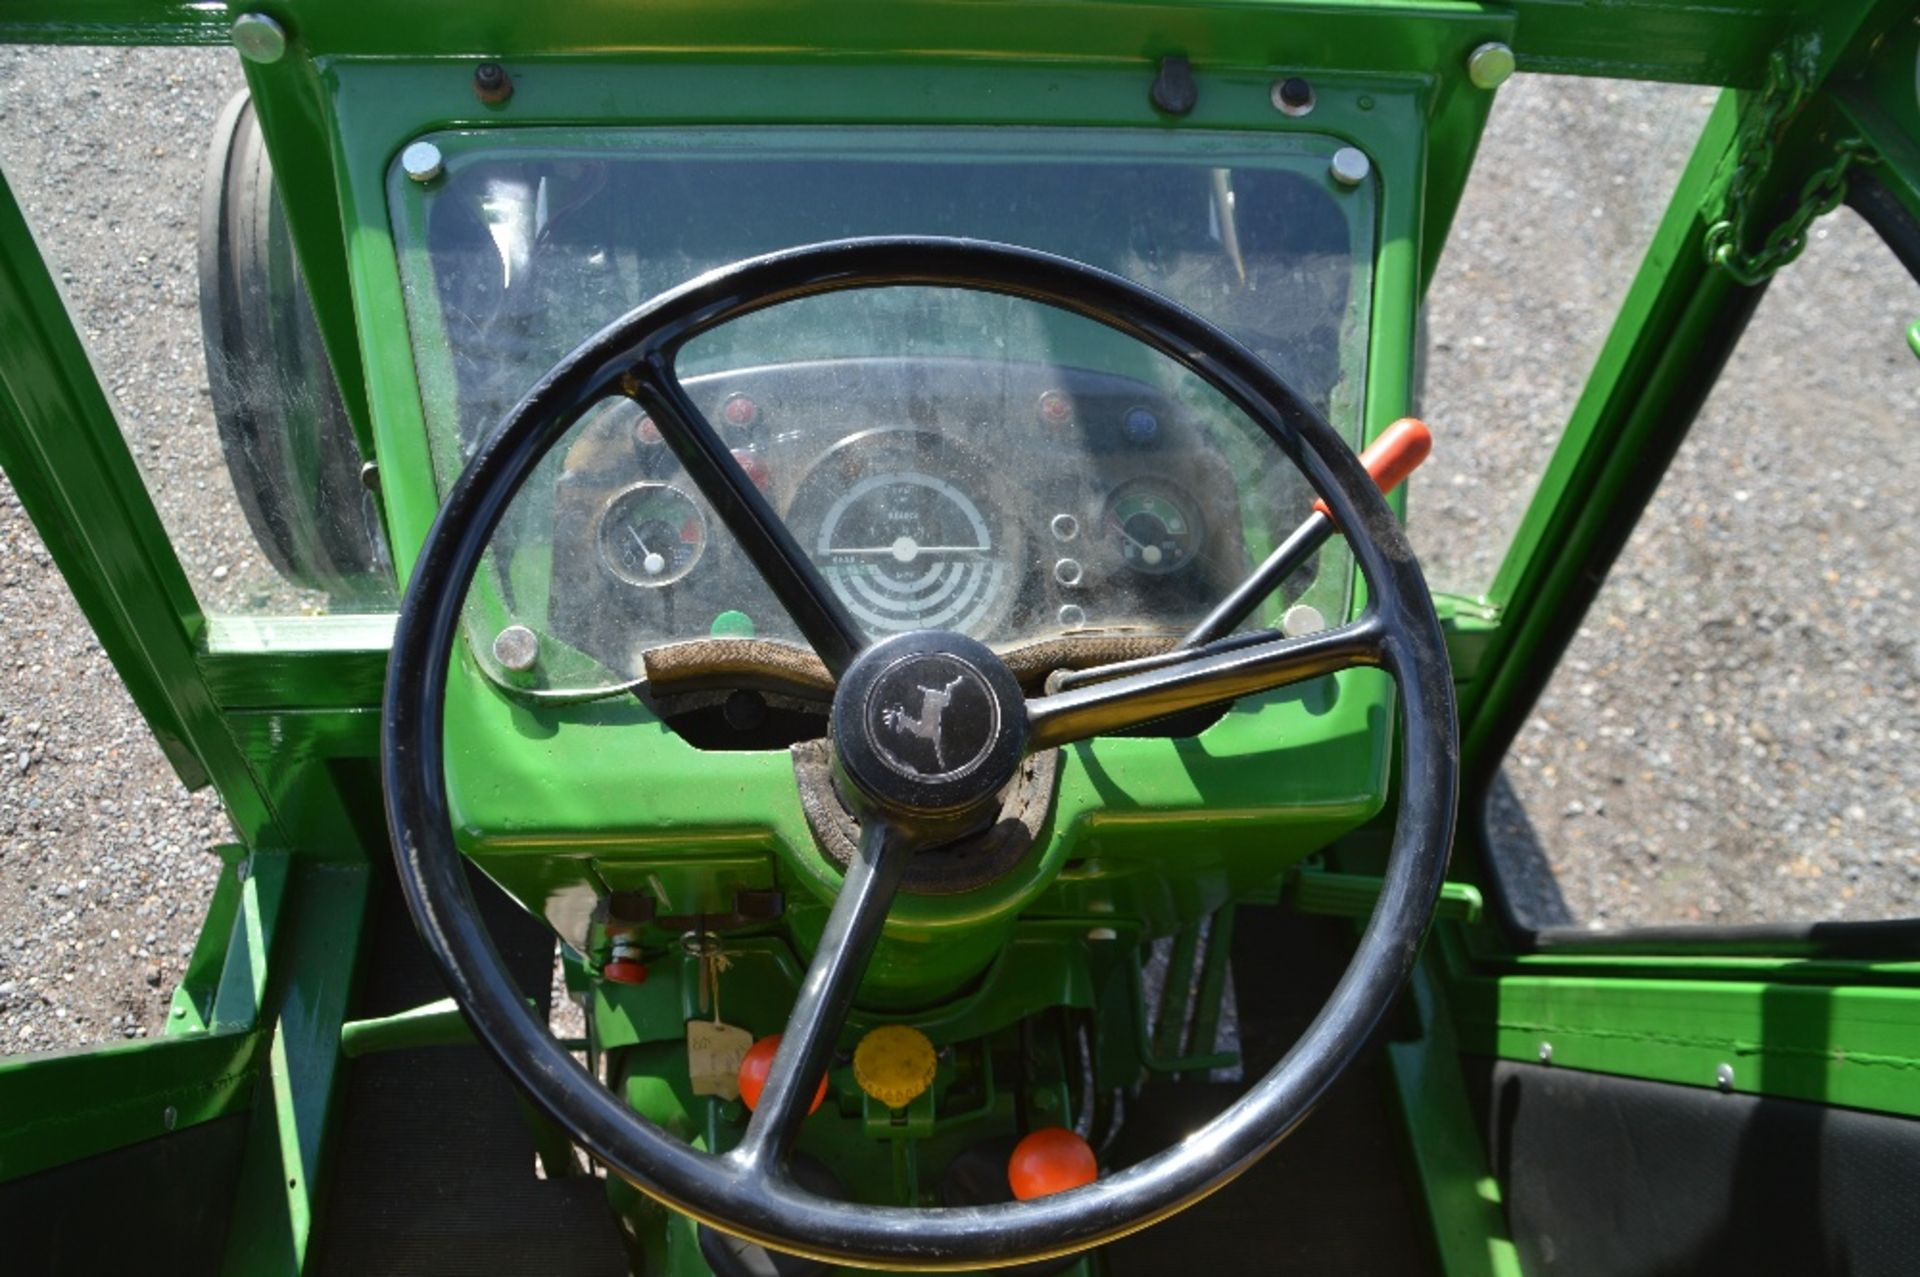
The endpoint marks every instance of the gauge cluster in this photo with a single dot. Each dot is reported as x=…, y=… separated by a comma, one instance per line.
x=1010, y=502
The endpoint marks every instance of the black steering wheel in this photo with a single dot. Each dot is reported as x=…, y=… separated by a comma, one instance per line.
x=925, y=729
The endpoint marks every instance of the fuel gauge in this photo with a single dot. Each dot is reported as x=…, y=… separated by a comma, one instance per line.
x=651, y=535
x=1152, y=526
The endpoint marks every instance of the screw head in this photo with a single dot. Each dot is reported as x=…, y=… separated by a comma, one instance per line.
x=516, y=648
x=1546, y=1053
x=1291, y=95
x=422, y=162
x=1490, y=65
x=1723, y=1077
x=1350, y=166
x=259, y=38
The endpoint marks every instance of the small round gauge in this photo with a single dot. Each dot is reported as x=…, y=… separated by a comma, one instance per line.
x=651, y=534
x=1152, y=526
x=901, y=539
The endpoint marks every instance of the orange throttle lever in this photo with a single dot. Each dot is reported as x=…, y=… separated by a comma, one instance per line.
x=1396, y=454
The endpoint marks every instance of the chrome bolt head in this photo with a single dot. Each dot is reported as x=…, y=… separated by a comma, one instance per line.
x=259, y=38
x=1302, y=618
x=422, y=162
x=1350, y=166
x=1490, y=65
x=1723, y=1077
x=517, y=648
x=1546, y=1053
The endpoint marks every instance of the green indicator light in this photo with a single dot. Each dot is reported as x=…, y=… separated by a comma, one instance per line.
x=731, y=624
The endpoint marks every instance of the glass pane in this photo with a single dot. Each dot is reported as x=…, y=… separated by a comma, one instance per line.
x=1731, y=738
x=948, y=458
x=104, y=869
x=1571, y=180
x=149, y=190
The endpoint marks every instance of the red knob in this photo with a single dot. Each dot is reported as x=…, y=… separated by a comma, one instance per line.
x=1051, y=1160
x=757, y=1063
x=624, y=971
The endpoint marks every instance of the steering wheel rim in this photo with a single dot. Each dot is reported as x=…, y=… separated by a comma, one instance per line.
x=752, y=1198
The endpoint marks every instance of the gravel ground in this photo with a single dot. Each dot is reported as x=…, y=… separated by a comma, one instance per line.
x=1701, y=682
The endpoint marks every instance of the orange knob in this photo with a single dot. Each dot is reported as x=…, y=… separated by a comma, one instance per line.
x=624, y=971
x=757, y=1063
x=1396, y=454
x=1051, y=1160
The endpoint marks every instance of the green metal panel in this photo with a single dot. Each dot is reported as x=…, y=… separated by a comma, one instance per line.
x=314, y=960
x=1462, y=1196
x=61, y=1108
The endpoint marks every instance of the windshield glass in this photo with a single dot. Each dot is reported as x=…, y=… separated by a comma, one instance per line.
x=951, y=459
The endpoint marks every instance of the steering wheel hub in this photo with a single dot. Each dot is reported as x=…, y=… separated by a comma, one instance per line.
x=929, y=726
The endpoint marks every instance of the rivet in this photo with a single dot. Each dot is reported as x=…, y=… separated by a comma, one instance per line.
x=370, y=476
x=1723, y=1077
x=422, y=162
x=169, y=1117
x=1291, y=95
x=1302, y=618
x=1350, y=166
x=259, y=38
x=1103, y=933
x=1490, y=65
x=1546, y=1053
x=516, y=648
x=179, y=1013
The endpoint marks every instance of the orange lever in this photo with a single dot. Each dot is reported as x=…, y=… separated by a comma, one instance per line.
x=1396, y=454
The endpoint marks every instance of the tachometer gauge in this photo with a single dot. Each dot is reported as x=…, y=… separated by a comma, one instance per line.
x=899, y=538
x=1152, y=527
x=651, y=534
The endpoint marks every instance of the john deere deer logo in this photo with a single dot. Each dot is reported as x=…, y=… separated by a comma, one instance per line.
x=933, y=703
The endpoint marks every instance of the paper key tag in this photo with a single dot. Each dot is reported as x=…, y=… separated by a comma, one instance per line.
x=714, y=1052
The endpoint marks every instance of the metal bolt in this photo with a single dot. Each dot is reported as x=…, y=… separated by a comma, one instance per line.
x=1546, y=1053
x=169, y=1117
x=370, y=476
x=1068, y=572
x=1072, y=616
x=1103, y=933
x=1351, y=166
x=179, y=1013
x=516, y=648
x=1489, y=65
x=491, y=83
x=259, y=38
x=1065, y=527
x=1302, y=618
x=422, y=162
x=1723, y=1077
x=1291, y=96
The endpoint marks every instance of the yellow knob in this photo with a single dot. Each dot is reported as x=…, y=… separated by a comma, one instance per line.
x=894, y=1064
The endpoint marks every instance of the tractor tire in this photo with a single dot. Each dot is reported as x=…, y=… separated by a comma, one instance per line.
x=284, y=432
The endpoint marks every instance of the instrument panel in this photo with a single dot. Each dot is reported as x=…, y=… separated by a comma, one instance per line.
x=1010, y=502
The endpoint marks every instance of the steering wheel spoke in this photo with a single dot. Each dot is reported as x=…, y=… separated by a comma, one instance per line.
x=1207, y=679
x=825, y=996
x=763, y=536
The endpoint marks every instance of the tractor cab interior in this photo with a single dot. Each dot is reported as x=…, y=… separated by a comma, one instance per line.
x=871, y=705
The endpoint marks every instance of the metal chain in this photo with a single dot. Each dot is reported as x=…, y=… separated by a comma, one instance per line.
x=1788, y=82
